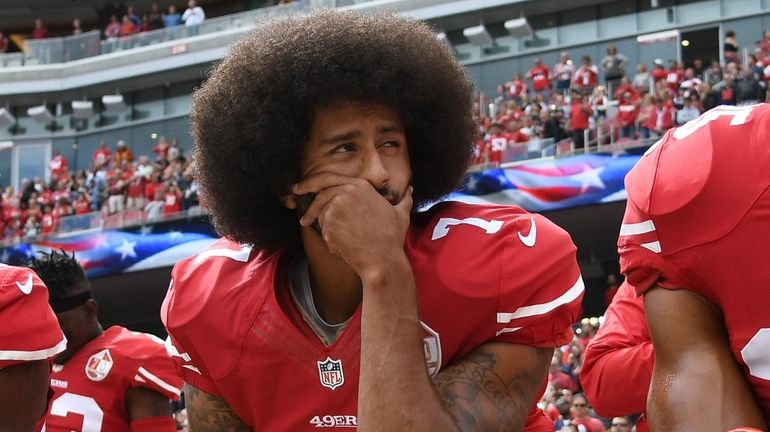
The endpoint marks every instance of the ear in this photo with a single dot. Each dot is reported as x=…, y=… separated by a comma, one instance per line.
x=90, y=309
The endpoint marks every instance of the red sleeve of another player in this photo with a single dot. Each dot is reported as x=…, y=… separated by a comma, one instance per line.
x=621, y=352
x=157, y=371
x=188, y=361
x=30, y=328
x=541, y=288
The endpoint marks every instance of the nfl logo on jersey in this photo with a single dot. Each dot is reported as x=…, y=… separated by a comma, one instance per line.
x=99, y=365
x=330, y=373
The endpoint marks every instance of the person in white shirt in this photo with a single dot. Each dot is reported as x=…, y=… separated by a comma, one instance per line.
x=193, y=15
x=687, y=113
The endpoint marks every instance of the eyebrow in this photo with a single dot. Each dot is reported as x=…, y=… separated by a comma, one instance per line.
x=347, y=136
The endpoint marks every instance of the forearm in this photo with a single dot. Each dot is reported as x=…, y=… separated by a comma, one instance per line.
x=395, y=390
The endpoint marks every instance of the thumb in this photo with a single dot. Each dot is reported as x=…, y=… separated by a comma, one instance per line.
x=404, y=207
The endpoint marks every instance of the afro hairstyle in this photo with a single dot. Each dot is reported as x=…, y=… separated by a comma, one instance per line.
x=60, y=272
x=252, y=117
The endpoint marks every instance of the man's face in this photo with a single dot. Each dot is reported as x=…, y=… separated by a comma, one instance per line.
x=580, y=405
x=74, y=325
x=359, y=140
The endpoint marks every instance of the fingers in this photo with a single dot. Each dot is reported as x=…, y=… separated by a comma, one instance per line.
x=404, y=207
x=319, y=203
x=321, y=181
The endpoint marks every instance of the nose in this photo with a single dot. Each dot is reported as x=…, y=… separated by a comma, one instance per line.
x=373, y=169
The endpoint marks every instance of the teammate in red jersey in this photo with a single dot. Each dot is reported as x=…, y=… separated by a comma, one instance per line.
x=695, y=240
x=29, y=338
x=114, y=380
x=362, y=314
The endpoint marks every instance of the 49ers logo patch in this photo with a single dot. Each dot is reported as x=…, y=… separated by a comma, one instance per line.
x=99, y=365
x=330, y=373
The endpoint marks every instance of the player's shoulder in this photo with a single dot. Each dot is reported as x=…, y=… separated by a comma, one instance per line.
x=487, y=226
x=694, y=168
x=132, y=344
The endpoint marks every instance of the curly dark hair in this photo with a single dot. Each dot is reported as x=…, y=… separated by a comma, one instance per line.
x=251, y=119
x=60, y=272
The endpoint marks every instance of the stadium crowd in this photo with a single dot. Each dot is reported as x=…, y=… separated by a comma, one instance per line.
x=116, y=186
x=567, y=104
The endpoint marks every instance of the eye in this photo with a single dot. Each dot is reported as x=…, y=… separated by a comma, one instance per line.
x=343, y=148
x=391, y=143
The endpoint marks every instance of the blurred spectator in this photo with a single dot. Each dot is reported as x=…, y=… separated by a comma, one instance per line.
x=135, y=193
x=172, y=198
x=554, y=126
x=585, y=77
x=193, y=15
x=580, y=113
x=713, y=74
x=123, y=153
x=674, y=76
x=127, y=26
x=540, y=76
x=763, y=47
x=145, y=26
x=698, y=68
x=563, y=73
x=58, y=165
x=517, y=88
x=133, y=16
x=627, y=114
x=3, y=42
x=664, y=117
x=112, y=31
x=172, y=18
x=76, y=29
x=625, y=86
x=581, y=415
x=687, y=113
x=102, y=155
x=646, y=124
x=642, y=78
x=726, y=89
x=40, y=31
x=691, y=82
x=621, y=424
x=613, y=65
x=747, y=90
x=558, y=378
x=180, y=418
x=658, y=70
x=155, y=17
x=613, y=285
x=709, y=98
x=731, y=47
x=161, y=149
x=599, y=103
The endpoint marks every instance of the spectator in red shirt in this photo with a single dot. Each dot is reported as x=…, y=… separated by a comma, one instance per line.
x=76, y=29
x=58, y=165
x=540, y=76
x=621, y=352
x=172, y=199
x=585, y=77
x=82, y=205
x=3, y=45
x=127, y=26
x=579, y=115
x=495, y=144
x=674, y=76
x=559, y=379
x=39, y=32
x=628, y=111
x=659, y=72
x=625, y=86
x=102, y=155
x=581, y=417
x=135, y=193
x=48, y=222
x=161, y=149
x=62, y=208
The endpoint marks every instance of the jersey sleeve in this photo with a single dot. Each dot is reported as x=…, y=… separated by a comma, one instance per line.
x=30, y=330
x=621, y=352
x=540, y=288
x=155, y=369
x=209, y=308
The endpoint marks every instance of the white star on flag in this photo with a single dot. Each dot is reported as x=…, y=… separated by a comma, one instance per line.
x=145, y=229
x=472, y=184
x=174, y=234
x=590, y=177
x=126, y=249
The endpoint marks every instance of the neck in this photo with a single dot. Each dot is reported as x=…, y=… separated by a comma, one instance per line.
x=337, y=290
x=92, y=333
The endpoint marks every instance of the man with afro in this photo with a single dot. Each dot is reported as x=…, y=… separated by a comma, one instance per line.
x=330, y=301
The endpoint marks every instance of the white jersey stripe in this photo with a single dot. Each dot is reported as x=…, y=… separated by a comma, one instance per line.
x=637, y=228
x=653, y=246
x=168, y=387
x=241, y=255
x=34, y=355
x=193, y=368
x=507, y=330
x=173, y=352
x=543, y=308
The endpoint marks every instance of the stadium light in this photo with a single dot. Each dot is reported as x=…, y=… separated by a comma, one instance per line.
x=82, y=109
x=518, y=27
x=113, y=104
x=6, y=118
x=40, y=114
x=478, y=35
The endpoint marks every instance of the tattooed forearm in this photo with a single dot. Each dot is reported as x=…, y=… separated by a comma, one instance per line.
x=208, y=413
x=483, y=395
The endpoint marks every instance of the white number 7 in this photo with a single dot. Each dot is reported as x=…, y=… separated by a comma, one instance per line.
x=443, y=225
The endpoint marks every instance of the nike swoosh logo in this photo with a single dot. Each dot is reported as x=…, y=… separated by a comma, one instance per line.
x=529, y=239
x=25, y=287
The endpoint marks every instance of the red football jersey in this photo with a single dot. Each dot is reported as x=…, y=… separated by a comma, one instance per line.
x=698, y=217
x=90, y=388
x=483, y=274
x=30, y=330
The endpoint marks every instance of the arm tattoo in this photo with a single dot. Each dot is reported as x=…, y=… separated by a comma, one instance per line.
x=480, y=399
x=208, y=413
